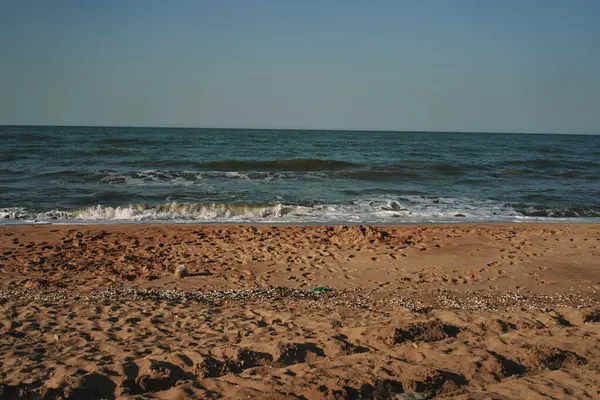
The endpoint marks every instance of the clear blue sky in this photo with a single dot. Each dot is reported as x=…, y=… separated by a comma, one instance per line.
x=460, y=65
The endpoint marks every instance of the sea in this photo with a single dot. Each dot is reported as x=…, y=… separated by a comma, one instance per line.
x=51, y=174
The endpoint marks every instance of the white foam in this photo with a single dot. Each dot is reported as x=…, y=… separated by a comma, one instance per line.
x=153, y=178
x=13, y=213
x=406, y=209
x=237, y=175
x=181, y=178
x=179, y=211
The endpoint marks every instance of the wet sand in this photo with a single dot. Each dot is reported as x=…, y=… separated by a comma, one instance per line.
x=468, y=311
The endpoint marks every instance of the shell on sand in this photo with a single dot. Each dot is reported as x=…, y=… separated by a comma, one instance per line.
x=181, y=271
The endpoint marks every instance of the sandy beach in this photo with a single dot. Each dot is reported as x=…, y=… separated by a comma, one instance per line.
x=498, y=311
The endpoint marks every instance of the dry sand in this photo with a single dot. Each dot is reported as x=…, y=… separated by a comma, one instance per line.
x=470, y=311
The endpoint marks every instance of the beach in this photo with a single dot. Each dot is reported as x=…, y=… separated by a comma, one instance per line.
x=299, y=200
x=468, y=311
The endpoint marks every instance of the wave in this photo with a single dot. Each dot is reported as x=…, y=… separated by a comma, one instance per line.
x=179, y=178
x=171, y=163
x=141, y=212
x=320, y=170
x=69, y=174
x=405, y=209
x=174, y=178
x=371, y=175
x=570, y=173
x=297, y=164
x=547, y=163
x=433, y=168
x=177, y=211
x=286, y=165
x=113, y=152
x=184, y=178
x=590, y=164
x=549, y=150
x=447, y=169
x=540, y=174
x=116, y=141
x=515, y=171
x=574, y=211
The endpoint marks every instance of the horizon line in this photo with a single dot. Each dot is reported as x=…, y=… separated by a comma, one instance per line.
x=298, y=129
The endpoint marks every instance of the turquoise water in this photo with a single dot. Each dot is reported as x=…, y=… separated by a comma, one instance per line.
x=64, y=174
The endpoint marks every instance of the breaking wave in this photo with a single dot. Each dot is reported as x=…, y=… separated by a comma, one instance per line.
x=577, y=211
x=404, y=209
x=240, y=170
x=161, y=212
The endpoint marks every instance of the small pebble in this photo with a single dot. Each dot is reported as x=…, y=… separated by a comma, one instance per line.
x=181, y=271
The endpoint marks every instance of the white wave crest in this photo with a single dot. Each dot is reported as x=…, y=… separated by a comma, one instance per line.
x=406, y=209
x=183, y=178
x=178, y=211
x=13, y=213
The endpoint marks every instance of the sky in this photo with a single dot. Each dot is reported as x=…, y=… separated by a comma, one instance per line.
x=426, y=65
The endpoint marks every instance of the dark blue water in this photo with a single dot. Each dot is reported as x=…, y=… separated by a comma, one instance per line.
x=206, y=175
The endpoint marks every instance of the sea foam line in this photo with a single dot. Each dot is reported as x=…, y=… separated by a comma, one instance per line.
x=406, y=209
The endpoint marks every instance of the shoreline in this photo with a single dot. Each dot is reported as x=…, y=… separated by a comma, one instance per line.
x=591, y=221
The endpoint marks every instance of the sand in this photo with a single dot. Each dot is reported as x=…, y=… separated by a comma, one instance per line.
x=498, y=311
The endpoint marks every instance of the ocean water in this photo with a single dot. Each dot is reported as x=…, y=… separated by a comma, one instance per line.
x=93, y=175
